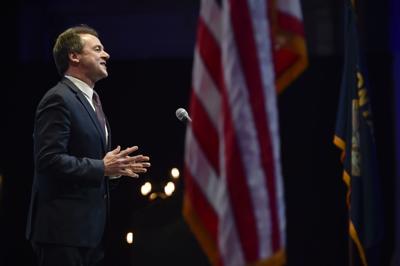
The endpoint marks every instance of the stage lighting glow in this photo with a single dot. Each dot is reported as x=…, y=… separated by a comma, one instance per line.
x=169, y=188
x=175, y=173
x=129, y=238
x=153, y=196
x=146, y=188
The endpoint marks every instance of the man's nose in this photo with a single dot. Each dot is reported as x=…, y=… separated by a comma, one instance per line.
x=106, y=55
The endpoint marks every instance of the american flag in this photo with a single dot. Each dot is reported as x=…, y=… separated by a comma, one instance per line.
x=246, y=51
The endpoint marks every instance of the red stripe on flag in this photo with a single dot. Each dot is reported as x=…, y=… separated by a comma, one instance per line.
x=247, y=49
x=238, y=189
x=289, y=23
x=204, y=132
x=284, y=58
x=200, y=204
x=210, y=52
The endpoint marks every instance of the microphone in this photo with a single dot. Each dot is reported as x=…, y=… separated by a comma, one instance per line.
x=183, y=115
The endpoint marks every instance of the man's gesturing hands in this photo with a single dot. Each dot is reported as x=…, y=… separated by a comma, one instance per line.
x=117, y=163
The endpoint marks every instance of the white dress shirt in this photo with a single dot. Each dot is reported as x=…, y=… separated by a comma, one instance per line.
x=87, y=91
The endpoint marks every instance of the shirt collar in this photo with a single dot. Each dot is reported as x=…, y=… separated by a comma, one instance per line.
x=82, y=86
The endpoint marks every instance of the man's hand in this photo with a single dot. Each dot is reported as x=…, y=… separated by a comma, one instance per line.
x=139, y=164
x=117, y=162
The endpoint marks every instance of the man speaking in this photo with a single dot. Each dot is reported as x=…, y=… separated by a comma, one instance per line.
x=74, y=163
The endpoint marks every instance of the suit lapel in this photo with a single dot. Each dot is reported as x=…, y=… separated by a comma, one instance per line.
x=90, y=111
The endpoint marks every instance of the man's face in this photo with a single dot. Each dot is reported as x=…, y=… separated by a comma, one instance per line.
x=93, y=58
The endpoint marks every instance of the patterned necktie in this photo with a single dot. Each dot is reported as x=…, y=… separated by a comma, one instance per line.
x=99, y=111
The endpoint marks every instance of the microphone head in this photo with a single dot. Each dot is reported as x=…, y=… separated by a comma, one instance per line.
x=183, y=115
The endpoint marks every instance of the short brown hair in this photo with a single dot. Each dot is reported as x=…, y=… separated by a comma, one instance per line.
x=67, y=42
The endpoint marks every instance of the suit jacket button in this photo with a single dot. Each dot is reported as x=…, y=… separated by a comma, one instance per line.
x=105, y=196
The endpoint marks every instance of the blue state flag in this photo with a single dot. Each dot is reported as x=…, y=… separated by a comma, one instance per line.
x=354, y=135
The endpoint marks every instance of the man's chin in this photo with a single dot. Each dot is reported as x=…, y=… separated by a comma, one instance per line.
x=104, y=74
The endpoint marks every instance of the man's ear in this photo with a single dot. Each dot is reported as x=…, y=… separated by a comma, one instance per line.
x=74, y=57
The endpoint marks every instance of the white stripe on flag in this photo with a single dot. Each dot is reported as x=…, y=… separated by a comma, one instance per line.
x=264, y=50
x=247, y=135
x=211, y=14
x=291, y=7
x=214, y=189
x=204, y=175
x=206, y=90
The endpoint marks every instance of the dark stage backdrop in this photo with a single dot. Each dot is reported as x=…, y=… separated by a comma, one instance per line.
x=151, y=45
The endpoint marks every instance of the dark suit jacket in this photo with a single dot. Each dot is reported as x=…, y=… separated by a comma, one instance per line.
x=69, y=200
